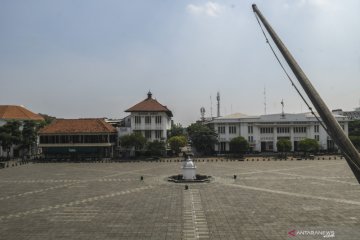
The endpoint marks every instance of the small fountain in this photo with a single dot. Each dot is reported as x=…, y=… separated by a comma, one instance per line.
x=188, y=172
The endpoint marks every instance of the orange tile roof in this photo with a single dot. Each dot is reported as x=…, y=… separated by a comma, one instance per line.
x=65, y=126
x=149, y=105
x=12, y=112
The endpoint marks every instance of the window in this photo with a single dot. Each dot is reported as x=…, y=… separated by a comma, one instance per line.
x=299, y=129
x=158, y=119
x=147, y=119
x=316, y=128
x=250, y=139
x=250, y=129
x=317, y=138
x=221, y=129
x=158, y=134
x=232, y=129
x=137, y=120
x=266, y=130
x=148, y=134
x=222, y=146
x=283, y=130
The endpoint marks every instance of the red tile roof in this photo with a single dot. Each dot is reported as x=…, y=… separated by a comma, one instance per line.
x=12, y=112
x=65, y=126
x=149, y=105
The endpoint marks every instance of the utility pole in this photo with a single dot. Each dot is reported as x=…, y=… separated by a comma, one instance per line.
x=335, y=131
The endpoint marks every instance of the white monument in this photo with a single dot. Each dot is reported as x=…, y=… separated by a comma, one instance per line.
x=188, y=169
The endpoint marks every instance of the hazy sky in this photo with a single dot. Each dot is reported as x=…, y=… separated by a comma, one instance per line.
x=96, y=58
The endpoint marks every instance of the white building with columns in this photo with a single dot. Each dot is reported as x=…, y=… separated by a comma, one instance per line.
x=148, y=117
x=263, y=132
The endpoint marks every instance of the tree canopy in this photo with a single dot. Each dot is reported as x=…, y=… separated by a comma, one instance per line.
x=47, y=118
x=309, y=145
x=356, y=141
x=29, y=134
x=354, y=128
x=155, y=148
x=134, y=140
x=239, y=145
x=283, y=145
x=202, y=137
x=176, y=143
x=10, y=134
x=177, y=130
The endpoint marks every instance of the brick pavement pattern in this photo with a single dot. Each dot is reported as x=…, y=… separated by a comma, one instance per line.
x=267, y=200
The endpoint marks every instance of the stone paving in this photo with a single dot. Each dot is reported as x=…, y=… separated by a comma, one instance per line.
x=268, y=200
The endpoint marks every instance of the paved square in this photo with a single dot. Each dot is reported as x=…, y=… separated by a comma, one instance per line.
x=267, y=200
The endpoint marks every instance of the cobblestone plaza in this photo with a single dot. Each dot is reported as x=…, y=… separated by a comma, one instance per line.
x=267, y=200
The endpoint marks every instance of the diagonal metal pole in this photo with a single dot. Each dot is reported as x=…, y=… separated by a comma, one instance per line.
x=352, y=156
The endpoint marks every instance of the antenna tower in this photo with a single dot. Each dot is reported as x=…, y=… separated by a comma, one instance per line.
x=218, y=104
x=211, y=106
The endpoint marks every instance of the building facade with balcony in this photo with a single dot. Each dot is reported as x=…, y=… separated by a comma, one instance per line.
x=148, y=117
x=262, y=132
x=78, y=139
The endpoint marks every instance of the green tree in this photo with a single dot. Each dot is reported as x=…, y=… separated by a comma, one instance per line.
x=47, y=118
x=10, y=135
x=156, y=148
x=177, y=142
x=203, y=137
x=133, y=141
x=6, y=141
x=354, y=128
x=356, y=141
x=283, y=146
x=176, y=130
x=239, y=145
x=309, y=145
x=29, y=135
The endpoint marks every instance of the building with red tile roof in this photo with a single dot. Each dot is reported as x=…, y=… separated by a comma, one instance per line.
x=76, y=126
x=13, y=112
x=78, y=139
x=150, y=105
x=150, y=118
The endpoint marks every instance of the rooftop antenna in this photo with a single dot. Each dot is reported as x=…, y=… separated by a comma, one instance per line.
x=218, y=104
x=211, y=106
x=202, y=112
x=265, y=100
x=282, y=106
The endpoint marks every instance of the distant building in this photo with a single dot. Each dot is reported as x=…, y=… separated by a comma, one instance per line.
x=148, y=117
x=78, y=139
x=352, y=115
x=16, y=113
x=263, y=132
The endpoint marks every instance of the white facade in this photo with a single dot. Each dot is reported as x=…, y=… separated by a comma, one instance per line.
x=152, y=125
x=262, y=132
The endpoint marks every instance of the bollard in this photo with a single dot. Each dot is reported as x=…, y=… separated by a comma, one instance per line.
x=234, y=176
x=186, y=187
x=141, y=178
